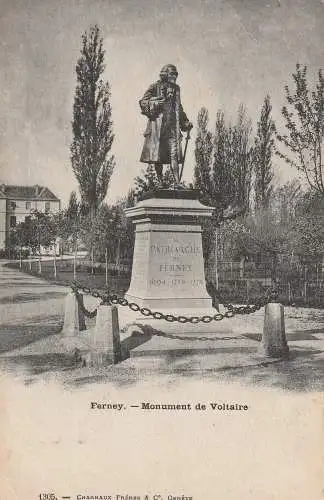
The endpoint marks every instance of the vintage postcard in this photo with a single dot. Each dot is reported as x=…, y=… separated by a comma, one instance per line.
x=161, y=250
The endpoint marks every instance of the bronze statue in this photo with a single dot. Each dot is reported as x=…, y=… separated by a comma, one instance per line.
x=161, y=103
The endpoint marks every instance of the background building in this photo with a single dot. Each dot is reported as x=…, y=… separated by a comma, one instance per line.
x=18, y=202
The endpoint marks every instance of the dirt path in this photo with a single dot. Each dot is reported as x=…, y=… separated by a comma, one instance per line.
x=30, y=308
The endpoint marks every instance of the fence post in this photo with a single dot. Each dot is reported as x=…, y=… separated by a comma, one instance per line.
x=106, y=265
x=92, y=260
x=305, y=283
x=74, y=259
x=54, y=261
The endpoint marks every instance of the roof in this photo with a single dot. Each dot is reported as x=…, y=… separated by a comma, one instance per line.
x=27, y=193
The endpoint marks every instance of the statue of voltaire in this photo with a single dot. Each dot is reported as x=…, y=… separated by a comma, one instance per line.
x=161, y=103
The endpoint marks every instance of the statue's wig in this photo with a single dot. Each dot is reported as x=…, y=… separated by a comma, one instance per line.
x=166, y=70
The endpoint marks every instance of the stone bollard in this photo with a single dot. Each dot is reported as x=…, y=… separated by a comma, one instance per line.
x=274, y=343
x=74, y=321
x=105, y=338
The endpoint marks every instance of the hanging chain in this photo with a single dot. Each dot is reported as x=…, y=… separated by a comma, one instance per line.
x=88, y=314
x=271, y=295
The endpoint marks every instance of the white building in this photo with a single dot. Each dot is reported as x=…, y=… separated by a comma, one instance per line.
x=18, y=202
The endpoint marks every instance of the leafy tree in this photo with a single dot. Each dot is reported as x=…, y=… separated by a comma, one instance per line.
x=73, y=207
x=224, y=163
x=203, y=152
x=147, y=181
x=310, y=203
x=130, y=199
x=38, y=230
x=222, y=174
x=284, y=201
x=69, y=221
x=304, y=121
x=92, y=124
x=258, y=236
x=21, y=237
x=306, y=237
x=110, y=232
x=240, y=154
x=70, y=225
x=263, y=151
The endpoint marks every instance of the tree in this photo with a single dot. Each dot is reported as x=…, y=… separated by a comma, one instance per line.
x=147, y=181
x=263, y=151
x=69, y=221
x=20, y=237
x=73, y=207
x=304, y=121
x=240, y=154
x=256, y=236
x=110, y=232
x=284, y=201
x=39, y=230
x=306, y=236
x=92, y=124
x=223, y=175
x=232, y=165
x=224, y=163
x=203, y=152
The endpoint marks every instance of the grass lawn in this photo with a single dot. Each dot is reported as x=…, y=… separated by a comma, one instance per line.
x=116, y=283
x=119, y=283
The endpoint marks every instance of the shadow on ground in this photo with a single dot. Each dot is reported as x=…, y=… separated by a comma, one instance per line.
x=38, y=364
x=301, y=372
x=292, y=335
x=16, y=335
x=26, y=284
x=31, y=297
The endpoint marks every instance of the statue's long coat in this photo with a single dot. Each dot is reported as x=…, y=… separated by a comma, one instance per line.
x=164, y=122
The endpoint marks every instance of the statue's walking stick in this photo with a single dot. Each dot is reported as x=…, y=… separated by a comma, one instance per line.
x=184, y=153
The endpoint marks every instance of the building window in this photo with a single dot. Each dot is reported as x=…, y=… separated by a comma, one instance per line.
x=12, y=205
x=47, y=206
x=13, y=221
x=28, y=205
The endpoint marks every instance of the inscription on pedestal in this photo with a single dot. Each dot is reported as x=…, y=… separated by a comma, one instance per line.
x=168, y=264
x=176, y=265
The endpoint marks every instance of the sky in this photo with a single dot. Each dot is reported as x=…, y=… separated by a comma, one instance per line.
x=227, y=52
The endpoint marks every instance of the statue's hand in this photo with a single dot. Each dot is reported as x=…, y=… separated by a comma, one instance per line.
x=187, y=126
x=158, y=100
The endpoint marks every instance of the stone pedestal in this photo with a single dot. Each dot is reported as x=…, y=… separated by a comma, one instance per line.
x=73, y=316
x=274, y=343
x=105, y=338
x=74, y=324
x=168, y=265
